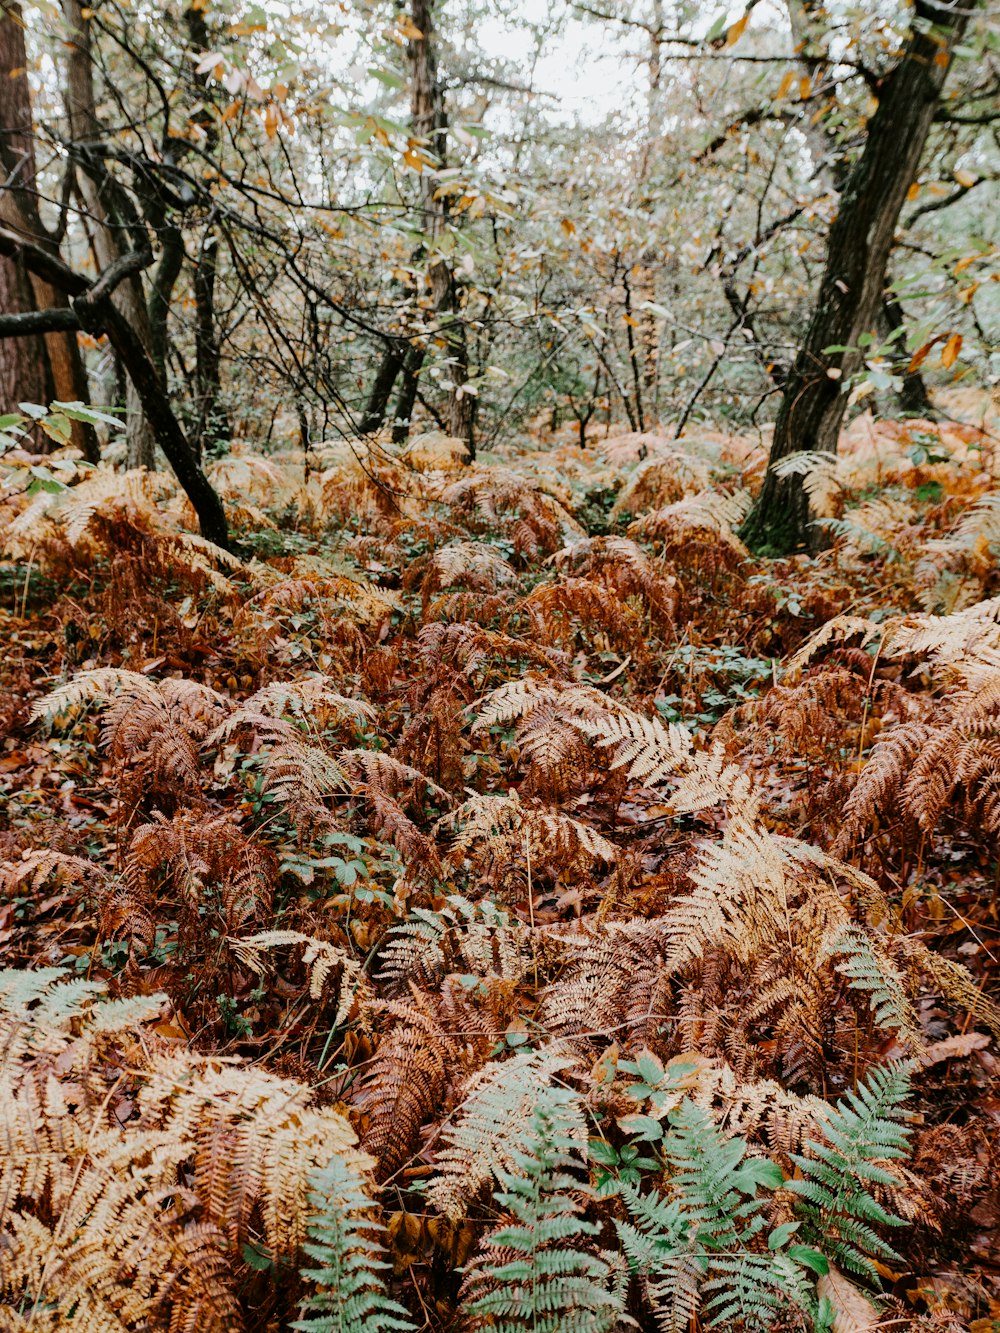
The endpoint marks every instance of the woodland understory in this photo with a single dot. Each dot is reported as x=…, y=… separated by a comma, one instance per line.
x=495, y=899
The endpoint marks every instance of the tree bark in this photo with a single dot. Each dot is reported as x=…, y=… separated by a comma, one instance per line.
x=103, y=202
x=852, y=287
x=47, y=366
x=407, y=394
x=393, y=359
x=213, y=422
x=429, y=120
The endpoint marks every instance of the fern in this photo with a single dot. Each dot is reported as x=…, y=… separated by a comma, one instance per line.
x=868, y=969
x=701, y=1243
x=534, y=1275
x=480, y=1145
x=863, y=1133
x=349, y=1262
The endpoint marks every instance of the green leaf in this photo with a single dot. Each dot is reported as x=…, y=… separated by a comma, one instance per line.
x=645, y=1127
x=717, y=27
x=649, y=1068
x=387, y=77
x=57, y=427
x=759, y=1171
x=780, y=1235
x=84, y=412
x=810, y=1258
x=259, y=1260
x=602, y=1152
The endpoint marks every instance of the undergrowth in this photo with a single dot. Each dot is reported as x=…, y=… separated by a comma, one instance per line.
x=453, y=917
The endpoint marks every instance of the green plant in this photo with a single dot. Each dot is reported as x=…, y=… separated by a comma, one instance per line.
x=532, y=1273
x=862, y=1135
x=702, y=1242
x=349, y=1263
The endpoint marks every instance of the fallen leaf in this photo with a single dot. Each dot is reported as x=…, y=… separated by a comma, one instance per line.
x=853, y=1312
x=963, y=1043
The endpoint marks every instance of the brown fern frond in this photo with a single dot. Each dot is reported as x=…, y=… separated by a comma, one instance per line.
x=405, y=1082
x=953, y=980
x=476, y=564
x=475, y=650
x=383, y=772
x=567, y=611
x=312, y=699
x=136, y=1175
x=666, y=477
x=43, y=868
x=615, y=984
x=206, y=863
x=334, y=974
x=709, y=518
x=881, y=780
x=628, y=571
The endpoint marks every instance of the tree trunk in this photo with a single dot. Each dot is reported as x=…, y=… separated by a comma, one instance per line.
x=428, y=119
x=102, y=199
x=92, y=307
x=407, y=394
x=852, y=287
x=212, y=421
x=378, y=398
x=48, y=366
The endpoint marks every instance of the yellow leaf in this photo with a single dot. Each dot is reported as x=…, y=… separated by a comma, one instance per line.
x=784, y=87
x=736, y=30
x=950, y=351
x=963, y=264
x=913, y=191
x=407, y=28
x=966, y=179
x=967, y=293
x=805, y=87
x=568, y=226
x=920, y=355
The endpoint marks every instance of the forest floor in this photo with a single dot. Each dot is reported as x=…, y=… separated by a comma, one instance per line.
x=533, y=760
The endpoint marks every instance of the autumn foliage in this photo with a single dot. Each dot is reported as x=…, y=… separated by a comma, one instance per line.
x=492, y=892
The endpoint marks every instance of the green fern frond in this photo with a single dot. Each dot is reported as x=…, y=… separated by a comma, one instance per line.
x=863, y=1133
x=702, y=1242
x=533, y=1275
x=868, y=969
x=481, y=1143
x=349, y=1261
x=754, y=1291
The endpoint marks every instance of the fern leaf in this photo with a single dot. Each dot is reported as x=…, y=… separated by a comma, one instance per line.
x=533, y=1274
x=497, y=1108
x=348, y=1261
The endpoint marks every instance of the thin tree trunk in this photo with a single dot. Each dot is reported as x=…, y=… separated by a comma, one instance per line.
x=428, y=120
x=97, y=189
x=852, y=287
x=378, y=398
x=48, y=366
x=213, y=421
x=407, y=394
